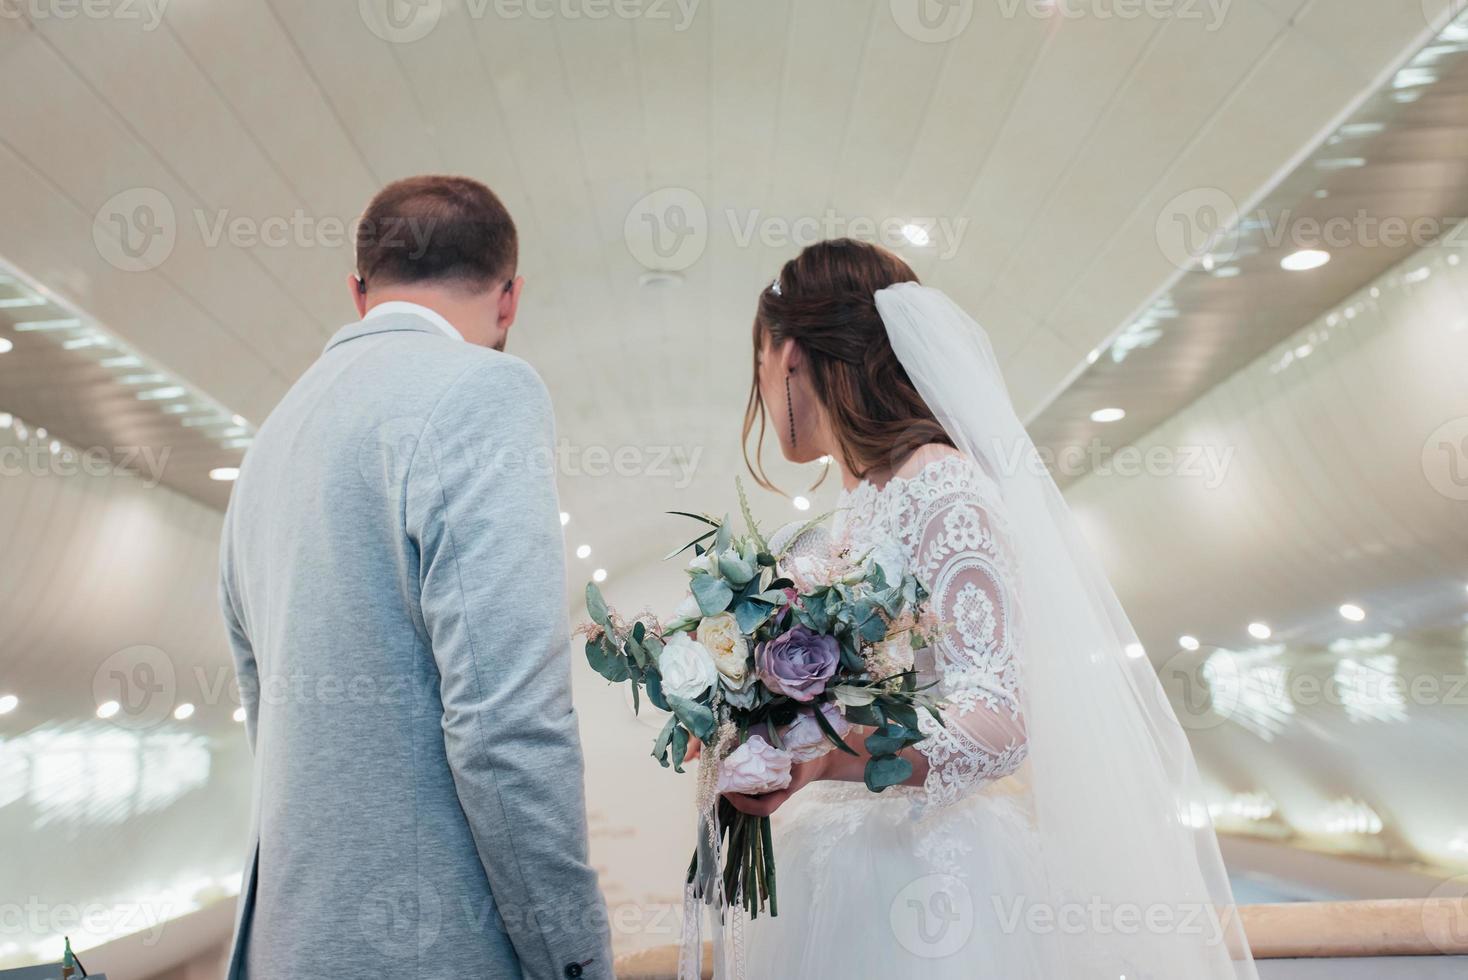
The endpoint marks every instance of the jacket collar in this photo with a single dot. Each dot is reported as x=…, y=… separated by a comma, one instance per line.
x=390, y=323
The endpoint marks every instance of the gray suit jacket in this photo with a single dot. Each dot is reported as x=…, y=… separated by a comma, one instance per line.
x=393, y=583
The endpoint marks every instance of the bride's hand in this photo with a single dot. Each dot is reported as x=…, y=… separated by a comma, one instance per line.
x=800, y=774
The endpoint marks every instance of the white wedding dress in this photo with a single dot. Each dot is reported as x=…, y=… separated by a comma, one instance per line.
x=922, y=882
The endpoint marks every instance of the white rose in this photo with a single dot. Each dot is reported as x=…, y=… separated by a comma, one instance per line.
x=687, y=668
x=687, y=611
x=706, y=562
x=890, y=559
x=755, y=768
x=804, y=739
x=724, y=641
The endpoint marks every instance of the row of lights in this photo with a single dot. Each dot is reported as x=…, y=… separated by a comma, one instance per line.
x=109, y=709
x=584, y=552
x=1349, y=611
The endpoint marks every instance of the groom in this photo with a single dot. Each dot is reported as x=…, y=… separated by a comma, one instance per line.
x=392, y=580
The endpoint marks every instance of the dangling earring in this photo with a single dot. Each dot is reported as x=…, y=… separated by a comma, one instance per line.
x=790, y=408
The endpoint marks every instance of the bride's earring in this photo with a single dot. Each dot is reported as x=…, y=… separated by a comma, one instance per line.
x=790, y=409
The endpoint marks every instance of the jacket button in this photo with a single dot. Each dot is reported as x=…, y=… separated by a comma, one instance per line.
x=573, y=970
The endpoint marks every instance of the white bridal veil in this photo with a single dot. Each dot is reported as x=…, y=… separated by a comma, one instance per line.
x=1129, y=881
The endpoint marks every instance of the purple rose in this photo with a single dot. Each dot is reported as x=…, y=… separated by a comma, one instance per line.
x=798, y=664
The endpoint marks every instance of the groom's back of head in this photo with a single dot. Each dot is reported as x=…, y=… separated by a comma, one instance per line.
x=436, y=229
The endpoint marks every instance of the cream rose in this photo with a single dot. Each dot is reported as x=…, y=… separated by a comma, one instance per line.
x=687, y=668
x=724, y=641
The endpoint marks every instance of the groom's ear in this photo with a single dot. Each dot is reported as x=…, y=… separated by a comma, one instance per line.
x=359, y=293
x=510, y=303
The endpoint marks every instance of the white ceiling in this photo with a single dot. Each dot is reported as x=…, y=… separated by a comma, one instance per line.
x=1051, y=142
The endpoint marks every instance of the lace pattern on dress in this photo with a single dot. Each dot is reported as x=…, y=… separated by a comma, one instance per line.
x=947, y=522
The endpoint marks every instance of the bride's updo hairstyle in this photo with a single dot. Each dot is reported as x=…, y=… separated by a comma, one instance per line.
x=826, y=302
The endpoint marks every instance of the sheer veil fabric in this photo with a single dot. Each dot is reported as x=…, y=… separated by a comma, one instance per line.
x=1126, y=878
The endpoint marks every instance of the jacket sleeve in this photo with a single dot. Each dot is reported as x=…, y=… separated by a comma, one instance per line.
x=247, y=673
x=481, y=509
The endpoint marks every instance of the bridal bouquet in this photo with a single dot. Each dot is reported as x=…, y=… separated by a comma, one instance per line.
x=779, y=648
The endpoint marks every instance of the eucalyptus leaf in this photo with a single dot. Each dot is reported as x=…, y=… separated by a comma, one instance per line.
x=751, y=614
x=891, y=739
x=885, y=771
x=653, y=683
x=854, y=696
x=680, y=747
x=736, y=570
x=596, y=606
x=869, y=715
x=830, y=733
x=698, y=718
x=713, y=595
x=606, y=660
x=660, y=747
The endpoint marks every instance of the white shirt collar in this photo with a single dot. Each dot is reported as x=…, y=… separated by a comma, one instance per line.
x=432, y=316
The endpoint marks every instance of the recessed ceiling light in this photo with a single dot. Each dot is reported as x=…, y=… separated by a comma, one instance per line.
x=1188, y=642
x=55, y=447
x=1352, y=612
x=239, y=715
x=240, y=420
x=224, y=474
x=565, y=518
x=30, y=326
x=107, y=709
x=184, y=711
x=584, y=551
x=6, y=346
x=1136, y=651
x=599, y=576
x=6, y=420
x=1226, y=272
x=1094, y=356
x=801, y=503
x=1260, y=631
x=916, y=234
x=8, y=703
x=1304, y=260
x=1108, y=415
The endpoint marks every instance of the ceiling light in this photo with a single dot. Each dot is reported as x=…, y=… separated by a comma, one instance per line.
x=161, y=394
x=1188, y=642
x=240, y=420
x=584, y=551
x=20, y=302
x=599, y=576
x=184, y=711
x=1136, y=651
x=6, y=346
x=55, y=447
x=1226, y=272
x=1108, y=415
x=1304, y=260
x=1416, y=275
x=41, y=433
x=1094, y=356
x=801, y=503
x=239, y=715
x=242, y=443
x=122, y=361
x=565, y=518
x=36, y=326
x=107, y=709
x=916, y=234
x=1260, y=631
x=224, y=474
x=1352, y=612
x=8, y=703
x=6, y=420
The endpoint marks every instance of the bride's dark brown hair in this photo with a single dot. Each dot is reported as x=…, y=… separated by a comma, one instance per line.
x=827, y=304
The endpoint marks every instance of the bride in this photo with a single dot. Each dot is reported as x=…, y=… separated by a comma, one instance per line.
x=1053, y=828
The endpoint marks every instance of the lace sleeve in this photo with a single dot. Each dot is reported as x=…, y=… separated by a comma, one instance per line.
x=962, y=557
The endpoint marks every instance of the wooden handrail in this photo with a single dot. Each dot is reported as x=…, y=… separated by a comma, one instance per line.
x=1406, y=927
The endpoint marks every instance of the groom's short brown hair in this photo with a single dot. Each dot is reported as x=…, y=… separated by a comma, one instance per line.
x=436, y=229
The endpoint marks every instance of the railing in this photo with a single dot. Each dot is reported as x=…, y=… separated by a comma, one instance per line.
x=1299, y=931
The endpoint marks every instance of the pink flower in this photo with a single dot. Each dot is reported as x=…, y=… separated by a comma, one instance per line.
x=755, y=768
x=803, y=737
